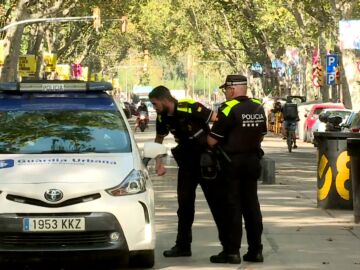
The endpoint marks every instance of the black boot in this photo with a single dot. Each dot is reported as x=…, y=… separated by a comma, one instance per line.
x=224, y=257
x=255, y=256
x=177, y=251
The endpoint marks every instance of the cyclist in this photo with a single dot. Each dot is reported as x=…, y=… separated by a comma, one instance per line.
x=290, y=118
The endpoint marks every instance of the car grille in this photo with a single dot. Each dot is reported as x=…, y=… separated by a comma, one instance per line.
x=26, y=240
x=25, y=200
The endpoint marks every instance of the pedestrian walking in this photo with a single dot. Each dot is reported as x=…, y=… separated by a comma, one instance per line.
x=188, y=121
x=238, y=132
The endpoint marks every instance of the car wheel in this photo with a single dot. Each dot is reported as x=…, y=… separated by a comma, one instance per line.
x=142, y=259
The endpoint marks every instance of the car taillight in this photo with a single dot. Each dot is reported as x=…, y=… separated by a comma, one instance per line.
x=355, y=130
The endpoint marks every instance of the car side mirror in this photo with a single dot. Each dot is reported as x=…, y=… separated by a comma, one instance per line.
x=153, y=150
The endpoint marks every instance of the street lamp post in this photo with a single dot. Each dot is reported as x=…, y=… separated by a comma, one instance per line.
x=204, y=88
x=126, y=67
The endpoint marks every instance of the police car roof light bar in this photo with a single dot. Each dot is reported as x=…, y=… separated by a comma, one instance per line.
x=55, y=86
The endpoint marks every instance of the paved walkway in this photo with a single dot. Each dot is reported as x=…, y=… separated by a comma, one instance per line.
x=297, y=234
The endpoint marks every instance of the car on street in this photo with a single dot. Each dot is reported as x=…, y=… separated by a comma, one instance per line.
x=127, y=110
x=151, y=110
x=72, y=179
x=320, y=126
x=313, y=114
x=131, y=107
x=352, y=124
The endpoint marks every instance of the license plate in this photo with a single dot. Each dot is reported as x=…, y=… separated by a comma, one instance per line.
x=53, y=224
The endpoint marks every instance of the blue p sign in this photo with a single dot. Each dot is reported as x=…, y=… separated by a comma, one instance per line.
x=331, y=62
x=330, y=78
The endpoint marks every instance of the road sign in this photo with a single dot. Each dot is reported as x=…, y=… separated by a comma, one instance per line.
x=330, y=78
x=331, y=62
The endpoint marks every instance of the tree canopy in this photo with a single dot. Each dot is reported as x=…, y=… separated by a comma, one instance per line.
x=187, y=42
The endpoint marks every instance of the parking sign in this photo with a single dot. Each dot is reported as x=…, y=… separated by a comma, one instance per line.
x=330, y=78
x=331, y=62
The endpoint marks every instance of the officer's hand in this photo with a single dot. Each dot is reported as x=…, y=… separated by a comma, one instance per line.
x=160, y=169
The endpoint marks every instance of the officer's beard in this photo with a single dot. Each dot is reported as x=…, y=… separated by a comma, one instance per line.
x=165, y=111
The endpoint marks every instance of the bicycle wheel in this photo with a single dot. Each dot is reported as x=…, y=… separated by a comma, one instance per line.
x=289, y=140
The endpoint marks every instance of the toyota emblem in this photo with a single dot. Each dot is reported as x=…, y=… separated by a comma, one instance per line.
x=53, y=195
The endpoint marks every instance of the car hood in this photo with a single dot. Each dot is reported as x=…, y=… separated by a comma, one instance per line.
x=103, y=170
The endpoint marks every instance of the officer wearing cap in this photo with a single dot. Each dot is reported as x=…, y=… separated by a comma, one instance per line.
x=188, y=121
x=238, y=131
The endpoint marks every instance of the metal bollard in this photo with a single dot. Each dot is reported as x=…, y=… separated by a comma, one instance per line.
x=267, y=171
x=353, y=149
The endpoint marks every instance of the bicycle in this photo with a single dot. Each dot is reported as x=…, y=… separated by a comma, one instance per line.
x=290, y=139
x=290, y=134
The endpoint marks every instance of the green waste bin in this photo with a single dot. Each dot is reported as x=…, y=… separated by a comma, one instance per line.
x=333, y=173
x=353, y=147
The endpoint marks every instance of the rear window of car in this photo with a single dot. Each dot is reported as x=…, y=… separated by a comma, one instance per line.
x=79, y=123
x=343, y=114
x=318, y=111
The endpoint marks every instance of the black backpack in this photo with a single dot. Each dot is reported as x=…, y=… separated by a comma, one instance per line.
x=290, y=111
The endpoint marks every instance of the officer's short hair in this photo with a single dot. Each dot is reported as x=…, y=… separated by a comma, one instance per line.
x=161, y=92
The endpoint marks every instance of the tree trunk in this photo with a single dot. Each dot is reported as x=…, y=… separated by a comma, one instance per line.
x=13, y=42
x=350, y=84
x=350, y=77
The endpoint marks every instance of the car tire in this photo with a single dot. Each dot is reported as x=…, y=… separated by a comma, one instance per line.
x=142, y=259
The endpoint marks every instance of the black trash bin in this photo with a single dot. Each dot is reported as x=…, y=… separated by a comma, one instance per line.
x=353, y=148
x=333, y=173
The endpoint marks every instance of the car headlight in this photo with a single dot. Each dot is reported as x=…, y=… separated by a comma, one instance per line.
x=134, y=183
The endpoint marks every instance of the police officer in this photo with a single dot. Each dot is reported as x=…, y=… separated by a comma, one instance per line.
x=238, y=131
x=188, y=121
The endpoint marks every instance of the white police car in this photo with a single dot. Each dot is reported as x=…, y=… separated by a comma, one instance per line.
x=71, y=176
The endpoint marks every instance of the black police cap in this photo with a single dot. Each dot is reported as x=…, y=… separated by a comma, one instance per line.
x=234, y=80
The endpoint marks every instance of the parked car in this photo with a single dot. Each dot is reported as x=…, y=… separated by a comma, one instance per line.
x=320, y=125
x=151, y=110
x=313, y=114
x=352, y=124
x=72, y=177
x=132, y=108
x=127, y=110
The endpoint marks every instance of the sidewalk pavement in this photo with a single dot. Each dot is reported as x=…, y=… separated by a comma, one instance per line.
x=297, y=234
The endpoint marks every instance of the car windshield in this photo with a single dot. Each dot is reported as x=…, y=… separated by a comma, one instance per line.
x=56, y=128
x=342, y=114
x=318, y=111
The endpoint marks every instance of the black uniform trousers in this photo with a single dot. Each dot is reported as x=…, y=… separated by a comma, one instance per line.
x=240, y=180
x=189, y=177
